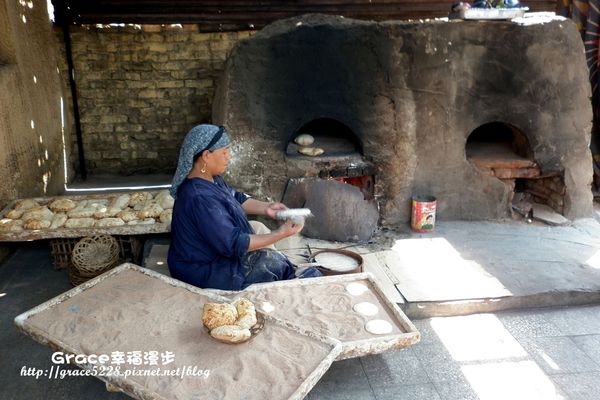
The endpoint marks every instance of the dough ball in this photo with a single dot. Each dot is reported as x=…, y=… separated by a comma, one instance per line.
x=231, y=334
x=80, y=223
x=366, y=308
x=15, y=214
x=218, y=314
x=356, y=288
x=26, y=204
x=246, y=313
x=58, y=220
x=311, y=151
x=304, y=139
x=378, y=327
x=109, y=222
x=37, y=224
x=62, y=205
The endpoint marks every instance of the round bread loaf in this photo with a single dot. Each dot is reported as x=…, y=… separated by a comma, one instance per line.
x=139, y=198
x=26, y=204
x=14, y=225
x=40, y=213
x=164, y=199
x=127, y=215
x=15, y=214
x=37, y=224
x=218, y=314
x=58, y=220
x=62, y=205
x=150, y=210
x=246, y=313
x=166, y=216
x=231, y=334
x=119, y=202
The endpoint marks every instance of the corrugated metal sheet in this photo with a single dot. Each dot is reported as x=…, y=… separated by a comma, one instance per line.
x=257, y=13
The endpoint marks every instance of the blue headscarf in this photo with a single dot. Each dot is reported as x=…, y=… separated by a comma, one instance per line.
x=197, y=140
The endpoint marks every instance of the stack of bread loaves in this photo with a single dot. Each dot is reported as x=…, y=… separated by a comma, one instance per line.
x=140, y=208
x=230, y=322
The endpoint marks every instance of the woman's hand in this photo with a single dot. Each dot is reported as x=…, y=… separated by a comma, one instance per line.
x=290, y=227
x=273, y=208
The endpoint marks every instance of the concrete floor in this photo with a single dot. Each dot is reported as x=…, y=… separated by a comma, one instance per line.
x=543, y=353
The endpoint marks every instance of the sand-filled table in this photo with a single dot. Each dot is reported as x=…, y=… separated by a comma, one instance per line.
x=328, y=306
x=132, y=309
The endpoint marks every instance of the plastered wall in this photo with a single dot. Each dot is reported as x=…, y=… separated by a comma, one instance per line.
x=31, y=128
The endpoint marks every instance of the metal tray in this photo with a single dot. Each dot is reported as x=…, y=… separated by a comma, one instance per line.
x=116, y=312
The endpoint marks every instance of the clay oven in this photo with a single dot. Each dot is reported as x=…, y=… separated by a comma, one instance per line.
x=470, y=112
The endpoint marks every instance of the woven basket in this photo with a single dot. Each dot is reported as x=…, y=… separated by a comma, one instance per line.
x=94, y=255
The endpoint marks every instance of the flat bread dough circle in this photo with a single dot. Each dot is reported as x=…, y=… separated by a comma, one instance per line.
x=356, y=289
x=378, y=327
x=336, y=262
x=366, y=308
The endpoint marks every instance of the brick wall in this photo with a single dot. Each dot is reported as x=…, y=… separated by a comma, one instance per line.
x=141, y=88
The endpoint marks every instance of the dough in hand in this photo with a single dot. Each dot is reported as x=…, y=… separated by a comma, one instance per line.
x=218, y=314
x=231, y=334
x=246, y=313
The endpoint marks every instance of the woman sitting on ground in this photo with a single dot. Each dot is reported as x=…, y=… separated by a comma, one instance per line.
x=212, y=242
